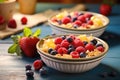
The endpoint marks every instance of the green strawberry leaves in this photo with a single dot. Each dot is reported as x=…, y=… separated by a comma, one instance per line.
x=15, y=47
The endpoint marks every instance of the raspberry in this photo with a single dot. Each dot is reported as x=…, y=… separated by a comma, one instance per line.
x=90, y=22
x=80, y=49
x=37, y=64
x=2, y=20
x=88, y=15
x=90, y=47
x=24, y=20
x=77, y=22
x=65, y=44
x=82, y=18
x=12, y=23
x=58, y=40
x=78, y=42
x=100, y=48
x=66, y=20
x=62, y=50
x=69, y=39
x=72, y=36
x=74, y=54
x=57, y=46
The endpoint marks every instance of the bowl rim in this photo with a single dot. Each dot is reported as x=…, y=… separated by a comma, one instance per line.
x=59, y=26
x=72, y=59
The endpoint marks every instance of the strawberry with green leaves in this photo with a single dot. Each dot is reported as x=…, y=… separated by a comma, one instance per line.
x=25, y=44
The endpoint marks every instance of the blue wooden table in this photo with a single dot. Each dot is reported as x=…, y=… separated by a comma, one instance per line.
x=12, y=67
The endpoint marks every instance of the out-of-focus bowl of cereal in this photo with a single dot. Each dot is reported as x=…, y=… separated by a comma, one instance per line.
x=72, y=54
x=78, y=23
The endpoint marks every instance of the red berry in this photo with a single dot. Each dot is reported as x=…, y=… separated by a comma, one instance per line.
x=57, y=46
x=76, y=13
x=24, y=20
x=37, y=64
x=58, y=40
x=90, y=47
x=105, y=9
x=2, y=20
x=65, y=44
x=80, y=49
x=77, y=22
x=74, y=54
x=72, y=36
x=54, y=19
x=62, y=50
x=82, y=18
x=77, y=42
x=12, y=23
x=90, y=22
x=88, y=15
x=66, y=20
x=100, y=48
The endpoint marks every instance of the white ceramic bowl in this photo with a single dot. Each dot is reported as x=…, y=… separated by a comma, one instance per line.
x=71, y=65
x=57, y=29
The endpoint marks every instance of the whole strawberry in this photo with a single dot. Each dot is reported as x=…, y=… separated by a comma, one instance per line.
x=25, y=44
x=12, y=23
x=105, y=9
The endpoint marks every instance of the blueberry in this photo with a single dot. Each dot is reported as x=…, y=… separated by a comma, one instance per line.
x=82, y=55
x=28, y=67
x=63, y=37
x=74, y=19
x=71, y=46
x=85, y=42
x=59, y=22
x=69, y=16
x=49, y=50
x=43, y=71
x=70, y=50
x=80, y=14
x=75, y=26
x=97, y=45
x=69, y=39
x=94, y=41
x=29, y=73
x=54, y=52
x=113, y=74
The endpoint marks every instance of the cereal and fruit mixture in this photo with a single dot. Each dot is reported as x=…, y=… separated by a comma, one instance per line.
x=72, y=46
x=78, y=20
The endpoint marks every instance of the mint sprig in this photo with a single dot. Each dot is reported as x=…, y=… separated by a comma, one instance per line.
x=15, y=47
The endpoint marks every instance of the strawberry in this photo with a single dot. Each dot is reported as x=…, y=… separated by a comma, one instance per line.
x=24, y=20
x=25, y=43
x=105, y=9
x=2, y=20
x=12, y=23
x=28, y=45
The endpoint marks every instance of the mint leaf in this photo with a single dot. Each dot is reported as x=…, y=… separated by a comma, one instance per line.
x=12, y=49
x=27, y=32
x=37, y=33
x=18, y=50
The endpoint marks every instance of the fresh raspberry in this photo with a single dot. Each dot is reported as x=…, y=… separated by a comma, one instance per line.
x=100, y=48
x=65, y=44
x=24, y=20
x=2, y=20
x=82, y=19
x=66, y=20
x=62, y=51
x=88, y=15
x=77, y=22
x=57, y=46
x=90, y=22
x=90, y=47
x=72, y=36
x=12, y=23
x=80, y=49
x=105, y=9
x=77, y=42
x=74, y=54
x=58, y=40
x=37, y=64
x=76, y=13
x=85, y=25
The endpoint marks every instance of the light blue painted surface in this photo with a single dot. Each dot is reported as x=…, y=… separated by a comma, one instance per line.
x=111, y=62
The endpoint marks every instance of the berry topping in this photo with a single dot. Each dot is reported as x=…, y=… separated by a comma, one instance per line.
x=74, y=54
x=28, y=67
x=77, y=22
x=49, y=50
x=12, y=23
x=94, y=41
x=65, y=44
x=37, y=64
x=100, y=48
x=99, y=45
x=82, y=55
x=74, y=19
x=54, y=52
x=88, y=15
x=63, y=37
x=78, y=42
x=57, y=46
x=90, y=47
x=24, y=20
x=70, y=50
x=90, y=22
x=80, y=49
x=82, y=18
x=62, y=50
x=69, y=39
x=58, y=40
x=66, y=20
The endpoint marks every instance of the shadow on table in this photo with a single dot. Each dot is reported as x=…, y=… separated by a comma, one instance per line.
x=93, y=74
x=111, y=38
